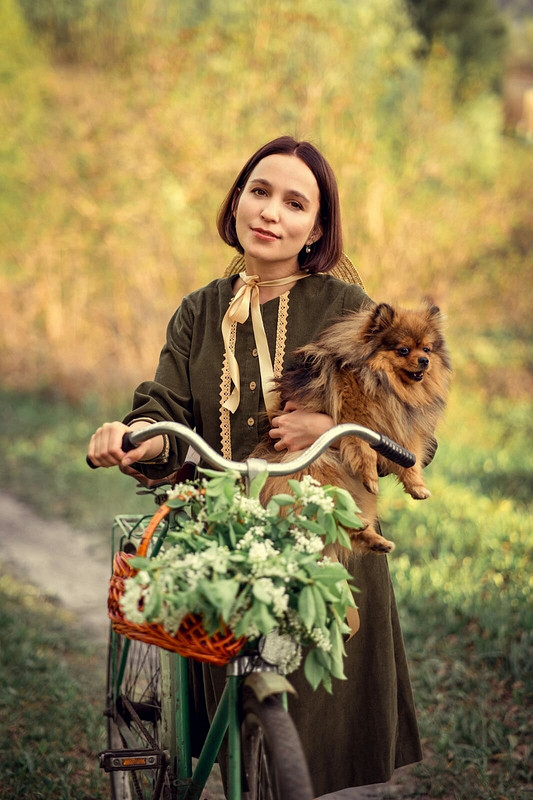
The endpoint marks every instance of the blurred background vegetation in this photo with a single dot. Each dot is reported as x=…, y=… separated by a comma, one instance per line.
x=124, y=123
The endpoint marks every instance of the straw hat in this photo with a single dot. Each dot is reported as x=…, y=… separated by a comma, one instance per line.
x=344, y=270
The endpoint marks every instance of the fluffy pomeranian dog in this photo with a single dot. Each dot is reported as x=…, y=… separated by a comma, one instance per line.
x=387, y=369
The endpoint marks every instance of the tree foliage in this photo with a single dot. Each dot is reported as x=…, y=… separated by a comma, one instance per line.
x=474, y=31
x=117, y=160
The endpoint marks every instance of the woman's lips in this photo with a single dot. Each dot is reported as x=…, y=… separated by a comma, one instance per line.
x=267, y=236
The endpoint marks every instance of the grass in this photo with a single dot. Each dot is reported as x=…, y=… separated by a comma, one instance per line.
x=51, y=724
x=43, y=442
x=462, y=575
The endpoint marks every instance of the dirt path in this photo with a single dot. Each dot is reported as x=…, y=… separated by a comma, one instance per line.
x=63, y=562
x=67, y=566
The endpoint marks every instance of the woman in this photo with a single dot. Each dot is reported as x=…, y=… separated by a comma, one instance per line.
x=224, y=345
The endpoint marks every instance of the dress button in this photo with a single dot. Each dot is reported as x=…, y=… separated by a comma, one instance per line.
x=253, y=384
x=254, y=352
x=251, y=422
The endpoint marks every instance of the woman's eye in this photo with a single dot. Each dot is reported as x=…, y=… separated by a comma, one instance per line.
x=295, y=204
x=258, y=191
x=403, y=351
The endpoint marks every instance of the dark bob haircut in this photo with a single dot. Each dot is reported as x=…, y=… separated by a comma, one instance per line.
x=326, y=252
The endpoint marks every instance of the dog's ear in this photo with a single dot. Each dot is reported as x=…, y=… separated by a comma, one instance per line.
x=381, y=319
x=431, y=309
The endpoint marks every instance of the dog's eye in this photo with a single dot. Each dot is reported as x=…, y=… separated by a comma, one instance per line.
x=426, y=349
x=403, y=351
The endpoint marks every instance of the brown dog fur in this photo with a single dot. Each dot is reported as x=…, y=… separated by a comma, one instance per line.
x=387, y=369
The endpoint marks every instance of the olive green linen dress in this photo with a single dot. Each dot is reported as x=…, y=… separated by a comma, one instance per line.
x=367, y=728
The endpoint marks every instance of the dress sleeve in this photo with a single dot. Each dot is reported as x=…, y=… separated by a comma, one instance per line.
x=168, y=397
x=356, y=299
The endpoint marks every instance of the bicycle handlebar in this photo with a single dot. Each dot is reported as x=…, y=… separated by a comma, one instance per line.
x=252, y=466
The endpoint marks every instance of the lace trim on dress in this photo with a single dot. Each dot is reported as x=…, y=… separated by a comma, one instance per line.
x=225, y=391
x=225, y=378
x=281, y=334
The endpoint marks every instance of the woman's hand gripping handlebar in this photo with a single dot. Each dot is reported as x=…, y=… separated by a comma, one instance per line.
x=252, y=466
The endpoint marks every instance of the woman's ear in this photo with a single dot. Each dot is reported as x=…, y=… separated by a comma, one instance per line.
x=315, y=234
x=235, y=202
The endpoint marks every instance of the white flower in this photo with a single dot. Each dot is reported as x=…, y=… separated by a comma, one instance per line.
x=251, y=535
x=260, y=551
x=134, y=593
x=183, y=490
x=249, y=507
x=280, y=600
x=173, y=617
x=313, y=492
x=306, y=542
x=321, y=639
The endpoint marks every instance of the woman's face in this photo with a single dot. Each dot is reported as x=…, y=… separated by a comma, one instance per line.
x=276, y=213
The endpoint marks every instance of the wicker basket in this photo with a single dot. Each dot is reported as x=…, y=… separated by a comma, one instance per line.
x=191, y=640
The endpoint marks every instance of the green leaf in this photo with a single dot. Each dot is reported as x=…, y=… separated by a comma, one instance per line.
x=313, y=669
x=273, y=508
x=261, y=593
x=348, y=520
x=345, y=500
x=320, y=607
x=330, y=529
x=344, y=539
x=153, y=605
x=337, y=652
x=220, y=595
x=232, y=535
x=295, y=486
x=309, y=525
x=249, y=617
x=140, y=562
x=257, y=484
x=326, y=682
x=264, y=619
x=175, y=502
x=307, y=607
x=284, y=499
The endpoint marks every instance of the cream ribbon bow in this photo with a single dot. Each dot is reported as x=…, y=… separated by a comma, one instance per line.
x=245, y=301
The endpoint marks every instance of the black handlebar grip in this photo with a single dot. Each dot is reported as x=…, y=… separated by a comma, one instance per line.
x=394, y=452
x=126, y=445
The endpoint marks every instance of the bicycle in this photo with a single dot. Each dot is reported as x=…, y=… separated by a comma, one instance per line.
x=149, y=749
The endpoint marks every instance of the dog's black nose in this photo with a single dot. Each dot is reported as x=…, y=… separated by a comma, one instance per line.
x=423, y=361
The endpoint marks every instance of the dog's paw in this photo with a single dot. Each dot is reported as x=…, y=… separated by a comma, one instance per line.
x=371, y=485
x=383, y=547
x=419, y=492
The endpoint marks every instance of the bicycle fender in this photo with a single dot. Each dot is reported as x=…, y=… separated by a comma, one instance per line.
x=264, y=684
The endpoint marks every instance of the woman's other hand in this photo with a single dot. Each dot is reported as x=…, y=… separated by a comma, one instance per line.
x=105, y=447
x=298, y=429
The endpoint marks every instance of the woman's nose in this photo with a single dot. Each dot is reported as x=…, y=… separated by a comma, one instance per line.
x=270, y=210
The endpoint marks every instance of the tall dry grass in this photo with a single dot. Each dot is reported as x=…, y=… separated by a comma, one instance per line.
x=116, y=164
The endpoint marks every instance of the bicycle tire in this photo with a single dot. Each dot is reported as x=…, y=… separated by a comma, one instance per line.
x=141, y=728
x=274, y=764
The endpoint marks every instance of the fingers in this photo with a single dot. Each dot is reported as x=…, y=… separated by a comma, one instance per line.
x=105, y=447
x=290, y=406
x=276, y=433
x=298, y=429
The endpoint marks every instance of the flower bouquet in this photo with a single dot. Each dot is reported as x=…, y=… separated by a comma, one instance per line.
x=256, y=571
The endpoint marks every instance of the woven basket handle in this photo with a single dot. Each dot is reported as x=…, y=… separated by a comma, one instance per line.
x=160, y=514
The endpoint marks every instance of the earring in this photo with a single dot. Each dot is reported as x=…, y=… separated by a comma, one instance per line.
x=308, y=248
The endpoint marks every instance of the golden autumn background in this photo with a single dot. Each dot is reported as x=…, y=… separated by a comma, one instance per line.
x=123, y=125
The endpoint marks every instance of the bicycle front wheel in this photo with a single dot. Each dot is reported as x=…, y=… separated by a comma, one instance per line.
x=136, y=719
x=274, y=764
